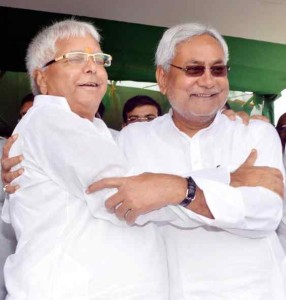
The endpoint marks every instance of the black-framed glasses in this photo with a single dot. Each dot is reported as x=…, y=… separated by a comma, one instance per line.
x=101, y=59
x=196, y=71
x=147, y=118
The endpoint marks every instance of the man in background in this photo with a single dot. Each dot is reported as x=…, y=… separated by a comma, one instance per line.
x=26, y=103
x=140, y=108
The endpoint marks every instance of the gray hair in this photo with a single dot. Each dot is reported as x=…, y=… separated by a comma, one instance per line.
x=180, y=33
x=42, y=48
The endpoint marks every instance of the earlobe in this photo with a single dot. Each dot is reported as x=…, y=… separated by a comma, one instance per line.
x=161, y=79
x=40, y=79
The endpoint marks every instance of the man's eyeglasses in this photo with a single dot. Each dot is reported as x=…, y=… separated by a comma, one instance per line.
x=75, y=58
x=196, y=71
x=147, y=118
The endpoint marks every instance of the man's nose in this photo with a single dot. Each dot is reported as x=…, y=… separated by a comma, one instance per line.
x=90, y=65
x=207, y=79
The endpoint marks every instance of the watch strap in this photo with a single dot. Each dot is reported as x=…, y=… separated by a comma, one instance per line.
x=191, y=192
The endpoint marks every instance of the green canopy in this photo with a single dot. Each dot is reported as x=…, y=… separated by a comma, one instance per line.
x=256, y=66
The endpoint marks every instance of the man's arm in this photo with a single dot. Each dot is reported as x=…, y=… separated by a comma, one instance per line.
x=146, y=192
x=138, y=195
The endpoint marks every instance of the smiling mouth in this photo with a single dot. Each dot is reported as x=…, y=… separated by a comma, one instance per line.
x=89, y=84
x=204, y=95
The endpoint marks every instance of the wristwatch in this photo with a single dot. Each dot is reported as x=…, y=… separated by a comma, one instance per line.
x=191, y=192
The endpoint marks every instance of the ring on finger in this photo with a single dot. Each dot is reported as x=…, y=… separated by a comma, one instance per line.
x=5, y=188
x=126, y=214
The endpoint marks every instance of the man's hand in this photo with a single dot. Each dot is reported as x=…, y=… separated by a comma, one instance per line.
x=249, y=175
x=7, y=163
x=141, y=194
x=244, y=116
x=260, y=117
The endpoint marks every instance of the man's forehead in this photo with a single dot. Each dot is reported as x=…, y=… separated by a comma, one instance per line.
x=88, y=50
x=143, y=109
x=86, y=44
x=199, y=47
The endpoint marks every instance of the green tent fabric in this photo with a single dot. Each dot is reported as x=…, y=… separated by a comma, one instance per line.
x=256, y=66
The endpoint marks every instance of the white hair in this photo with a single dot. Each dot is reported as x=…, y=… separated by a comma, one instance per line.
x=180, y=33
x=42, y=48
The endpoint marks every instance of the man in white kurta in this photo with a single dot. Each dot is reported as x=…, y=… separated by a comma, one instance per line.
x=237, y=254
x=69, y=246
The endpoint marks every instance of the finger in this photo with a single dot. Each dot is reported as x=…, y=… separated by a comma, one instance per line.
x=250, y=160
x=244, y=116
x=7, y=146
x=9, y=177
x=112, y=202
x=260, y=117
x=277, y=173
x=122, y=211
x=11, y=189
x=230, y=114
x=131, y=217
x=8, y=163
x=112, y=182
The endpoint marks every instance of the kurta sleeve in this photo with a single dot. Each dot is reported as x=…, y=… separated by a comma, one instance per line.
x=73, y=152
x=222, y=148
x=248, y=211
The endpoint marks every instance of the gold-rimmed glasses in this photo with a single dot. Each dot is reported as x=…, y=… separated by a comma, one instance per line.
x=101, y=59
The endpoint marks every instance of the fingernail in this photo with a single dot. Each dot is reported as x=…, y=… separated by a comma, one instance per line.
x=87, y=191
x=14, y=136
x=21, y=158
x=21, y=171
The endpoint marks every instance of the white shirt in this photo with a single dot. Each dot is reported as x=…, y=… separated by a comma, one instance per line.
x=7, y=236
x=69, y=246
x=237, y=255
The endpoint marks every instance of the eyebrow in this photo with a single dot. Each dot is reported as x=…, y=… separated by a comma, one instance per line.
x=197, y=62
x=141, y=115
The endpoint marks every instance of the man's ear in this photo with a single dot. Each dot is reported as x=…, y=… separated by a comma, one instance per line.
x=40, y=79
x=161, y=77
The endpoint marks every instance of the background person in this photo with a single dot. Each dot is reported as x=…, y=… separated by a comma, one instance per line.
x=140, y=108
x=281, y=129
x=26, y=104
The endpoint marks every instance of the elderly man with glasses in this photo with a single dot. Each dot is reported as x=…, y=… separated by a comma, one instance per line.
x=69, y=245
x=230, y=250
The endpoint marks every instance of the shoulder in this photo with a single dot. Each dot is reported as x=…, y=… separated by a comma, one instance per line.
x=261, y=128
x=253, y=125
x=50, y=111
x=255, y=132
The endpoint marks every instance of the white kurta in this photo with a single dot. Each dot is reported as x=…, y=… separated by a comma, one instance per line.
x=237, y=255
x=7, y=237
x=69, y=246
